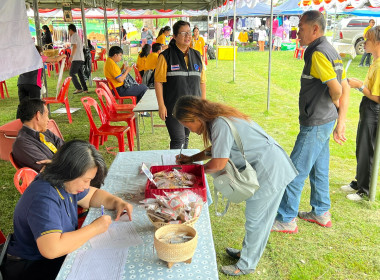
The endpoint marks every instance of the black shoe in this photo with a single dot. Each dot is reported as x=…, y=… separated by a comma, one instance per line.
x=234, y=253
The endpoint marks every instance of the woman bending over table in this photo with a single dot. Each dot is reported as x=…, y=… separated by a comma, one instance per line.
x=273, y=166
x=45, y=217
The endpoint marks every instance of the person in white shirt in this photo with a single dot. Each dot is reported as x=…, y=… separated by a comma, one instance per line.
x=77, y=59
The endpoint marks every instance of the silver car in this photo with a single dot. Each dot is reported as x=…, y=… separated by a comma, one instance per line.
x=350, y=31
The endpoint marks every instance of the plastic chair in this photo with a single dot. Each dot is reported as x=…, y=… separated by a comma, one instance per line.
x=118, y=97
x=2, y=83
x=116, y=106
x=11, y=159
x=4, y=242
x=138, y=77
x=113, y=116
x=62, y=98
x=2, y=238
x=93, y=61
x=298, y=50
x=98, y=133
x=23, y=177
x=102, y=57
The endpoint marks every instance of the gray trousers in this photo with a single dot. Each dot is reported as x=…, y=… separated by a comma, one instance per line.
x=365, y=142
x=259, y=215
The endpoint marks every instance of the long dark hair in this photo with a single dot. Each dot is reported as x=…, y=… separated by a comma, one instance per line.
x=73, y=160
x=188, y=108
x=145, y=50
x=163, y=29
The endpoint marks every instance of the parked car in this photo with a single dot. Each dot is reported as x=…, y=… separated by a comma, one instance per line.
x=350, y=30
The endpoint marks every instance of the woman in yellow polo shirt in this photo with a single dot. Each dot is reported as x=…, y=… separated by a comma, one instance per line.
x=161, y=38
x=141, y=59
x=197, y=42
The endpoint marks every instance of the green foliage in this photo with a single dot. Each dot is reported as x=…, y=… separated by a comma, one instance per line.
x=348, y=250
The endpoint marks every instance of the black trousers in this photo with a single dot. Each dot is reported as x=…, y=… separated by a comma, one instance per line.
x=367, y=58
x=44, y=269
x=29, y=91
x=365, y=143
x=135, y=90
x=178, y=133
x=76, y=68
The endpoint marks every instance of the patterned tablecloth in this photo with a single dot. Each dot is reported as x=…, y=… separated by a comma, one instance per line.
x=125, y=180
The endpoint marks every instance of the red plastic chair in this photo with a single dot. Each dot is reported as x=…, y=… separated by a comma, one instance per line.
x=93, y=61
x=2, y=83
x=118, y=97
x=138, y=77
x=118, y=107
x=2, y=238
x=102, y=57
x=104, y=130
x=11, y=159
x=298, y=50
x=23, y=177
x=62, y=98
x=113, y=116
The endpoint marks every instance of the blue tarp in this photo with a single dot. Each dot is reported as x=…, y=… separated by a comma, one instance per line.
x=288, y=8
x=365, y=12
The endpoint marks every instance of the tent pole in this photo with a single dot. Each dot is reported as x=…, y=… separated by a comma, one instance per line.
x=375, y=167
x=120, y=25
x=217, y=35
x=208, y=20
x=105, y=25
x=234, y=41
x=270, y=52
x=85, y=43
x=39, y=43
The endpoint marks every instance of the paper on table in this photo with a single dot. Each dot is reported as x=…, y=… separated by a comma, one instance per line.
x=98, y=264
x=168, y=159
x=118, y=235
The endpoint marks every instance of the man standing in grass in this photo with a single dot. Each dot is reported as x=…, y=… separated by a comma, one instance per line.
x=323, y=99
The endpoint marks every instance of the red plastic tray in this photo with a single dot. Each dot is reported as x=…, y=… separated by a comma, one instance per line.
x=199, y=186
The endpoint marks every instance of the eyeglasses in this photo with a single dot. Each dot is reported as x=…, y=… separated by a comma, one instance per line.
x=184, y=34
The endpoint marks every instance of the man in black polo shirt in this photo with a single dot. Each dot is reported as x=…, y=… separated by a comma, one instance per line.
x=323, y=100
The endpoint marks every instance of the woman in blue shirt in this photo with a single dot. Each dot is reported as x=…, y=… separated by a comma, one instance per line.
x=45, y=217
x=273, y=167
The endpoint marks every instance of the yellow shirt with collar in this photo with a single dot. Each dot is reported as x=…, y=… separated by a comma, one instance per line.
x=322, y=68
x=140, y=63
x=112, y=71
x=372, y=80
x=151, y=61
x=197, y=44
x=161, y=39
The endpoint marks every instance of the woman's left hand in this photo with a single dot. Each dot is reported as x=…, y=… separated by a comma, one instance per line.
x=122, y=206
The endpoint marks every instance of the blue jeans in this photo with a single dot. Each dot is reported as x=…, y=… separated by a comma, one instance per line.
x=311, y=157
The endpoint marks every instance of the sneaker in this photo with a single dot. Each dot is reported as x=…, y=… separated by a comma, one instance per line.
x=360, y=65
x=322, y=220
x=290, y=227
x=234, y=253
x=349, y=187
x=354, y=197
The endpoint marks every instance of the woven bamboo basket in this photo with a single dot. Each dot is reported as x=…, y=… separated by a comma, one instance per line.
x=173, y=253
x=158, y=225
x=51, y=52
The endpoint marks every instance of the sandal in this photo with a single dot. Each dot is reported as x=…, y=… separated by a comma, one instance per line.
x=234, y=253
x=78, y=91
x=85, y=91
x=233, y=270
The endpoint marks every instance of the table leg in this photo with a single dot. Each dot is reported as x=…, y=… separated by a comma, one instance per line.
x=151, y=121
x=137, y=130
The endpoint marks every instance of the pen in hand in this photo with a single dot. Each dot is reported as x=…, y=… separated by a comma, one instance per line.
x=180, y=152
x=102, y=207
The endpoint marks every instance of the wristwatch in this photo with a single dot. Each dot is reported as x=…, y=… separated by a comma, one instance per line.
x=361, y=88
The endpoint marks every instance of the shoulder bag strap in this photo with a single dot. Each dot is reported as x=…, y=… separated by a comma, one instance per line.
x=235, y=134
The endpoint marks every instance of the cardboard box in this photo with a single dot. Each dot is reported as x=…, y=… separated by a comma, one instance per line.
x=199, y=186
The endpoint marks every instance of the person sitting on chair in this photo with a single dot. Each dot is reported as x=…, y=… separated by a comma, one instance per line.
x=45, y=220
x=35, y=144
x=120, y=77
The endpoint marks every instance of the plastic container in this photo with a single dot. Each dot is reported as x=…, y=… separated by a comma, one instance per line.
x=226, y=52
x=199, y=186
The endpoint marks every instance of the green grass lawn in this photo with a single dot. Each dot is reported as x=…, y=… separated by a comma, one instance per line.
x=348, y=250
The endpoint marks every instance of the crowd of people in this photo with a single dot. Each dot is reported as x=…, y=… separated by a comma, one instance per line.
x=45, y=219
